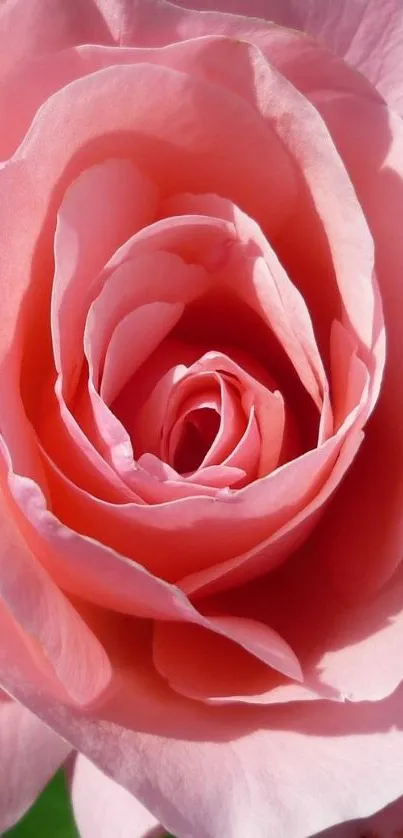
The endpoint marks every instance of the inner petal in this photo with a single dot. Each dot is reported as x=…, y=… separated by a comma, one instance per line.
x=195, y=392
x=199, y=429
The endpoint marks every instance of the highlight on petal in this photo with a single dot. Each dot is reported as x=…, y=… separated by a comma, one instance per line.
x=183, y=756
x=103, y=808
x=30, y=754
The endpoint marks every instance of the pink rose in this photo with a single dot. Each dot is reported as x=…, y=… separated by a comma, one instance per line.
x=201, y=433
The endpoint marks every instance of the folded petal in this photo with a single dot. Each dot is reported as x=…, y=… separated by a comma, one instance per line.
x=99, y=211
x=371, y=501
x=69, y=656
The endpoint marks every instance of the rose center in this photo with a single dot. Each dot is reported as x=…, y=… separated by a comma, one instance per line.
x=198, y=433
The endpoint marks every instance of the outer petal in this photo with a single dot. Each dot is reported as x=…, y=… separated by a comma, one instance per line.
x=103, y=808
x=371, y=539
x=351, y=30
x=385, y=824
x=68, y=655
x=30, y=754
x=209, y=772
x=46, y=26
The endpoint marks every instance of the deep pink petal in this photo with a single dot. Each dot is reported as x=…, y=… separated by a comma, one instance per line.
x=255, y=638
x=30, y=754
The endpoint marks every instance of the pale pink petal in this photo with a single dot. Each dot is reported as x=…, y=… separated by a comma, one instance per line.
x=352, y=32
x=30, y=754
x=349, y=373
x=103, y=808
x=191, y=391
x=181, y=136
x=100, y=210
x=247, y=452
x=133, y=340
x=269, y=408
x=71, y=658
x=200, y=664
x=186, y=758
x=332, y=194
x=64, y=440
x=149, y=277
x=47, y=26
x=91, y=570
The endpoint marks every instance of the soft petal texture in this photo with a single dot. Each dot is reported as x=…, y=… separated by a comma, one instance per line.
x=103, y=808
x=98, y=212
x=30, y=754
x=120, y=580
x=352, y=31
x=310, y=750
x=67, y=653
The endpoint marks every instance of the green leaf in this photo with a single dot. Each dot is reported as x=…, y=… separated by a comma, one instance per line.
x=50, y=816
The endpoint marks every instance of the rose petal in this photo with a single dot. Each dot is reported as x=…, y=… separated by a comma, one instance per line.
x=183, y=778
x=353, y=35
x=255, y=638
x=58, y=639
x=352, y=652
x=267, y=288
x=268, y=406
x=213, y=532
x=30, y=754
x=103, y=808
x=371, y=501
x=91, y=570
x=99, y=211
x=133, y=340
x=150, y=277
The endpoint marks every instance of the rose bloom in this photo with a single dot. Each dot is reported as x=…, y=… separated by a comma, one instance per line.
x=201, y=260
